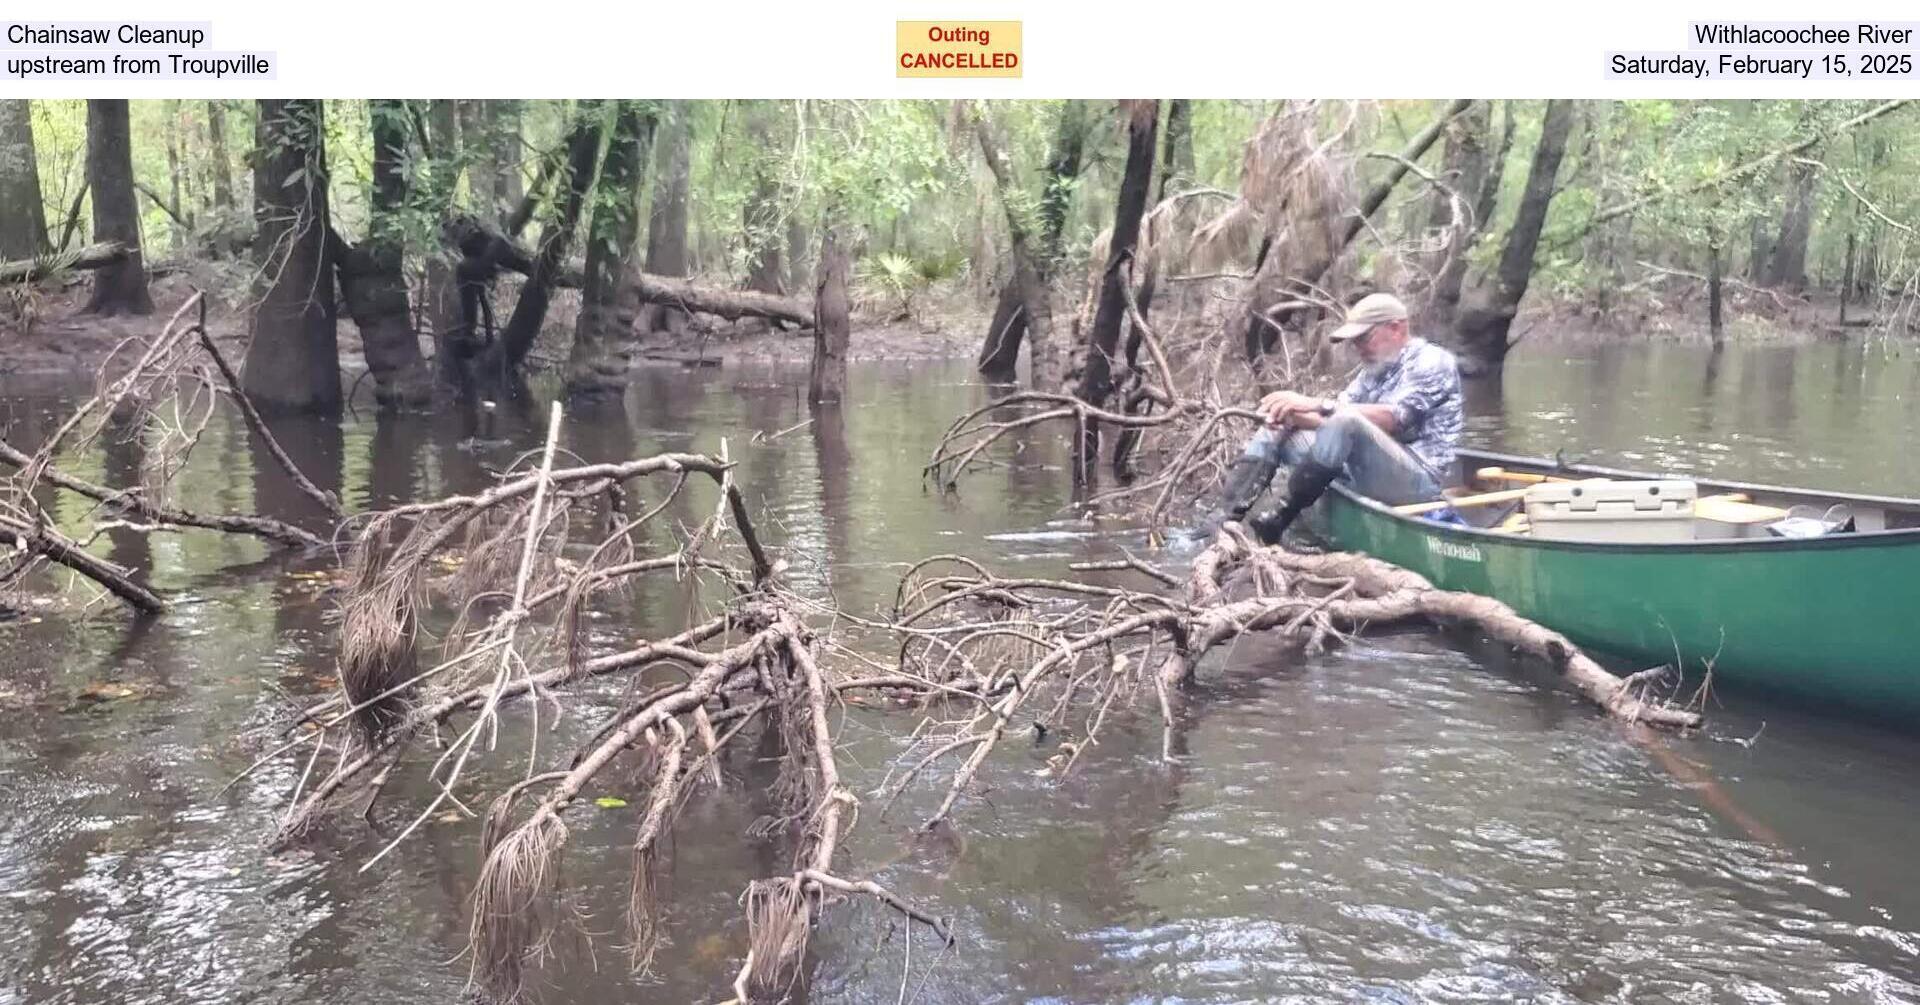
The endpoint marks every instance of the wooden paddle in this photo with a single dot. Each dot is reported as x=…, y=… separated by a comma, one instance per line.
x=1498, y=474
x=1483, y=499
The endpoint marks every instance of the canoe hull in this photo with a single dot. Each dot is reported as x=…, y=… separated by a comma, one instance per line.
x=1835, y=621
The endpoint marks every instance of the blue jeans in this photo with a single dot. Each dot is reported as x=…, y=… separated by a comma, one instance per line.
x=1371, y=462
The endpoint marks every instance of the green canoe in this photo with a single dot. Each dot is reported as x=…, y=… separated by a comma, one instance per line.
x=1833, y=620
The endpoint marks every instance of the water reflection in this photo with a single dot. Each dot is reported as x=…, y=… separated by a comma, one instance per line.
x=1414, y=818
x=1832, y=415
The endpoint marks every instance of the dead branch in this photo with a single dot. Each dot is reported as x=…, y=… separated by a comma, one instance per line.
x=36, y=540
x=251, y=415
x=136, y=504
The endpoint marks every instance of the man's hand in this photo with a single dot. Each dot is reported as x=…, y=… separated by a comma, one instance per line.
x=1280, y=407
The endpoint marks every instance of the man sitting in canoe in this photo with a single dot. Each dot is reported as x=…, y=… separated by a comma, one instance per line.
x=1391, y=434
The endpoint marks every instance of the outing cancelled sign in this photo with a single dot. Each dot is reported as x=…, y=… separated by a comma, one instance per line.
x=957, y=49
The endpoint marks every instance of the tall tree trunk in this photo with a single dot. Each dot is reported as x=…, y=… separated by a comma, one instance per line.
x=1787, y=269
x=667, y=216
x=371, y=280
x=761, y=217
x=1715, y=327
x=1103, y=340
x=217, y=153
x=796, y=278
x=1480, y=331
x=1846, y=275
x=832, y=328
x=1761, y=251
x=116, y=216
x=194, y=195
x=1176, y=160
x=442, y=293
x=1033, y=265
x=530, y=311
x=1030, y=282
x=606, y=316
x=1471, y=166
x=180, y=219
x=1000, y=353
x=293, y=360
x=23, y=216
x=228, y=238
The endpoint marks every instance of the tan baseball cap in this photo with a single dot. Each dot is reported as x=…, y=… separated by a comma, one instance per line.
x=1373, y=309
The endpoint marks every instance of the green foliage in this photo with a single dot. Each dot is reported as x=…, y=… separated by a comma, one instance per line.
x=890, y=280
x=904, y=180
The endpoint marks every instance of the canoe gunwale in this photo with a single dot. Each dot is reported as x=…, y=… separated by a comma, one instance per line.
x=1548, y=464
x=1772, y=545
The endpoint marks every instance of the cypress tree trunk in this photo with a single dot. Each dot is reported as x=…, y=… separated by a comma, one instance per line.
x=1096, y=380
x=116, y=216
x=1176, y=160
x=1029, y=281
x=667, y=217
x=832, y=329
x=611, y=236
x=1714, y=284
x=228, y=236
x=374, y=287
x=1761, y=251
x=1480, y=331
x=1473, y=170
x=293, y=360
x=761, y=217
x=1033, y=263
x=530, y=311
x=23, y=216
x=222, y=161
x=1787, y=268
x=181, y=221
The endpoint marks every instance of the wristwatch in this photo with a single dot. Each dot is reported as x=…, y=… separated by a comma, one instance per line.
x=1327, y=406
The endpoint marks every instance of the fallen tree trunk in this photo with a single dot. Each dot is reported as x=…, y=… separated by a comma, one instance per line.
x=93, y=256
x=1382, y=592
x=1100, y=649
x=730, y=304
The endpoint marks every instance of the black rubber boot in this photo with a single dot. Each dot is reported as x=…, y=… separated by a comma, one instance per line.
x=1307, y=484
x=1247, y=478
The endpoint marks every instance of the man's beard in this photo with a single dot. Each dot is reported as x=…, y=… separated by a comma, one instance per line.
x=1376, y=367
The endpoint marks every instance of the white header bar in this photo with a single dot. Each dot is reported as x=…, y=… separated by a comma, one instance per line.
x=1071, y=48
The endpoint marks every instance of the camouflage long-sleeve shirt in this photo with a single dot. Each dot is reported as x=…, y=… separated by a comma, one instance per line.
x=1422, y=384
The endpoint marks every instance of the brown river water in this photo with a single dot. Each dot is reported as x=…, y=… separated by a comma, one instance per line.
x=1413, y=818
